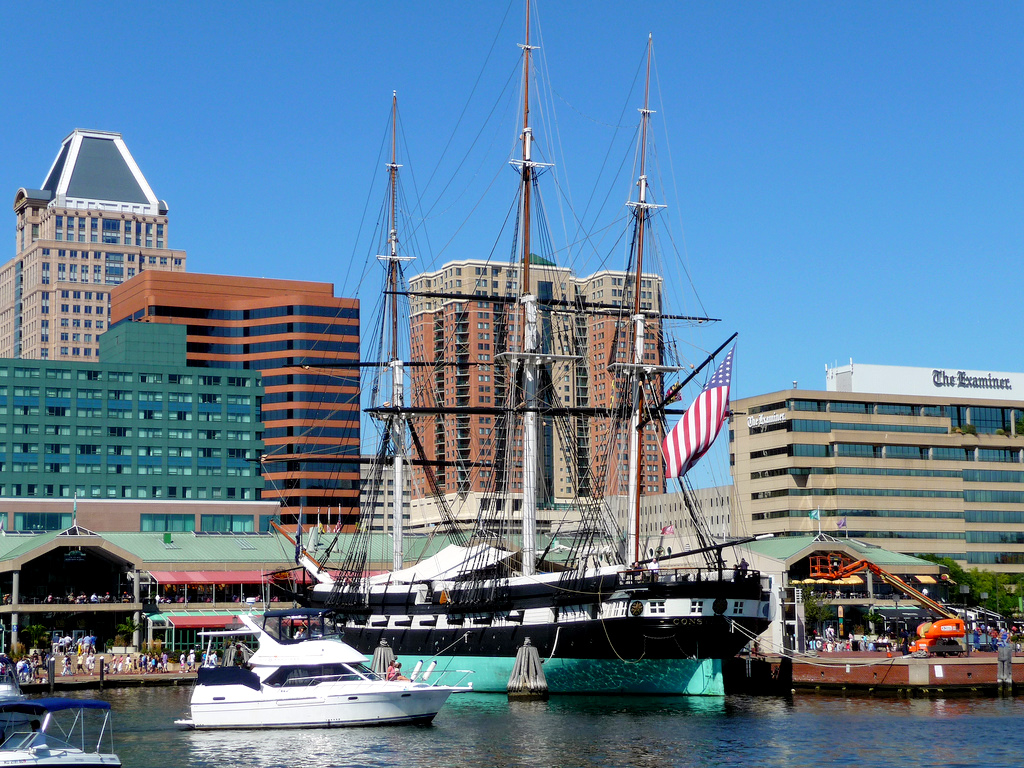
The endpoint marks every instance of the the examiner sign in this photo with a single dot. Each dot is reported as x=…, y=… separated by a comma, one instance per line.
x=765, y=420
x=961, y=380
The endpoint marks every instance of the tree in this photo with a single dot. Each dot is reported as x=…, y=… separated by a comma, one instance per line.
x=128, y=627
x=125, y=630
x=38, y=636
x=874, y=619
x=817, y=610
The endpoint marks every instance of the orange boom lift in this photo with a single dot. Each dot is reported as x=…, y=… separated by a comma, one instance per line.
x=941, y=637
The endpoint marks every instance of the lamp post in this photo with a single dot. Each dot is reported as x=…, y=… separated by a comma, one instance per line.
x=964, y=591
x=984, y=598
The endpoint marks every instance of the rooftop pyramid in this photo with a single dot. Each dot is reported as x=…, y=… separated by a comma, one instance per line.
x=95, y=167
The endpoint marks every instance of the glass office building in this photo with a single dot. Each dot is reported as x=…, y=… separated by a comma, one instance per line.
x=921, y=461
x=139, y=425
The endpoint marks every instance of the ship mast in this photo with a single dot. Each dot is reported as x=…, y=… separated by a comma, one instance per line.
x=642, y=211
x=398, y=417
x=531, y=364
x=530, y=355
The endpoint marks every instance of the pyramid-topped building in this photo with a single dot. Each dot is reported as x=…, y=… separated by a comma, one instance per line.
x=95, y=167
x=94, y=223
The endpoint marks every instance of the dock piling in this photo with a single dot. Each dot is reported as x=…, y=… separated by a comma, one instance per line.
x=382, y=658
x=527, y=681
x=1004, y=669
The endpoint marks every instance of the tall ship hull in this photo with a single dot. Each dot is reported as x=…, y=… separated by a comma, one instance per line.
x=619, y=632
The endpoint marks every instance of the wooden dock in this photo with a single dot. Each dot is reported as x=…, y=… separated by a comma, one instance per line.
x=894, y=675
x=69, y=683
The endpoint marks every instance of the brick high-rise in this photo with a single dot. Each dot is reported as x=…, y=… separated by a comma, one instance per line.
x=298, y=335
x=464, y=313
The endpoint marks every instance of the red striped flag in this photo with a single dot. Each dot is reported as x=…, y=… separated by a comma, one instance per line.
x=696, y=431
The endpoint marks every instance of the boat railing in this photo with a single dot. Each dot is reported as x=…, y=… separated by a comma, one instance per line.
x=448, y=678
x=443, y=678
x=296, y=682
x=685, y=574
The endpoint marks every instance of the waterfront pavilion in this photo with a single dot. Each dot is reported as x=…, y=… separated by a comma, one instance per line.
x=78, y=582
x=787, y=559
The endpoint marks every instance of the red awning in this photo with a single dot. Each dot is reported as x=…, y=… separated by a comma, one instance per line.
x=202, y=622
x=209, y=577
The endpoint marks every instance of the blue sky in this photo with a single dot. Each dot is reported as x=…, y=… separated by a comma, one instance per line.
x=847, y=176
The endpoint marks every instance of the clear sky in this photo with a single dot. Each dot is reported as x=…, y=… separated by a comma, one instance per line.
x=848, y=177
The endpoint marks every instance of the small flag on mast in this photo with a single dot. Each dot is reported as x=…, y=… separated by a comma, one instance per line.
x=814, y=514
x=668, y=530
x=841, y=522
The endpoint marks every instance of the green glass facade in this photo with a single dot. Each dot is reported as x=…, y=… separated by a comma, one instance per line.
x=137, y=425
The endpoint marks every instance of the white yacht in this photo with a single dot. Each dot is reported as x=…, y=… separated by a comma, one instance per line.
x=303, y=675
x=53, y=732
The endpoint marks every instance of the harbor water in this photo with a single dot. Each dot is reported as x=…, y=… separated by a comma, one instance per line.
x=598, y=732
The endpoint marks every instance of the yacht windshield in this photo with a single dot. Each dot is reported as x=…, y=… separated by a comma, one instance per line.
x=294, y=627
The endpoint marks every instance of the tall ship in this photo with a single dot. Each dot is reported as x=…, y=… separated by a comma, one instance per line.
x=606, y=613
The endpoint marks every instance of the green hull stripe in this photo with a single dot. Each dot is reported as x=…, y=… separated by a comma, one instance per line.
x=691, y=677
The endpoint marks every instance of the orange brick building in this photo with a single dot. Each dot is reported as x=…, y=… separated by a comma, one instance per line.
x=299, y=336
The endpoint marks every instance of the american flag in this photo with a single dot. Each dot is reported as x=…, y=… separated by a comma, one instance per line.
x=696, y=431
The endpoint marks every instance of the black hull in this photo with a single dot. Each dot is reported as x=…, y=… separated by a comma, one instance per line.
x=610, y=620
x=624, y=638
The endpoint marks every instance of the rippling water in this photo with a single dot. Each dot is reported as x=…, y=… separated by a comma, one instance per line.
x=588, y=732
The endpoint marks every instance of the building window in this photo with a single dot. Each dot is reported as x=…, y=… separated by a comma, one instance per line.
x=42, y=521
x=226, y=523
x=166, y=522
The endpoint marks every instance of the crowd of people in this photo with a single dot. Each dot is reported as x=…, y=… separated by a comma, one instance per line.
x=72, y=598
x=83, y=660
x=981, y=637
x=196, y=594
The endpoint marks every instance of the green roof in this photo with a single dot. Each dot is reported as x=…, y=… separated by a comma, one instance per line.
x=191, y=547
x=14, y=545
x=786, y=547
x=191, y=550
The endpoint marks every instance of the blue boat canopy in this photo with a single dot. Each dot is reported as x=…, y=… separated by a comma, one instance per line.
x=42, y=706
